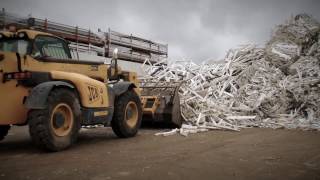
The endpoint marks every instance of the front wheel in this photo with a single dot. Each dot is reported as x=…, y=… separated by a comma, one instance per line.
x=4, y=129
x=127, y=115
x=56, y=127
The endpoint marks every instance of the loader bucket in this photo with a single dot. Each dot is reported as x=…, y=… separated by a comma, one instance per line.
x=161, y=103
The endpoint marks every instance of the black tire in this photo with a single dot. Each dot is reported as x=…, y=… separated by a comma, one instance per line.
x=4, y=129
x=122, y=125
x=56, y=127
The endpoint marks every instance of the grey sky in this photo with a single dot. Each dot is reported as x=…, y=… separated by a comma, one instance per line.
x=197, y=30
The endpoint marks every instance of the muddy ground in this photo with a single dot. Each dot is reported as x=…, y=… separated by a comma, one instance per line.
x=99, y=155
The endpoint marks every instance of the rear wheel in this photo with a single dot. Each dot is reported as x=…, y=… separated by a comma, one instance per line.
x=56, y=127
x=4, y=129
x=127, y=115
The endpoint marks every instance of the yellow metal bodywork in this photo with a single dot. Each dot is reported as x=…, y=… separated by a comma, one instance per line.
x=132, y=77
x=30, y=33
x=150, y=110
x=89, y=80
x=11, y=95
x=7, y=34
x=98, y=72
x=93, y=93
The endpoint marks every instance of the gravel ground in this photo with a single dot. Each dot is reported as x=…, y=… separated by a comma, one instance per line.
x=99, y=155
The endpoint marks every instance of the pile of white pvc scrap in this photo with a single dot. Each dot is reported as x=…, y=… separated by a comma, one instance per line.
x=277, y=86
x=292, y=40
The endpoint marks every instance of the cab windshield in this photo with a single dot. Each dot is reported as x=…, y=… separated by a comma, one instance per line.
x=14, y=45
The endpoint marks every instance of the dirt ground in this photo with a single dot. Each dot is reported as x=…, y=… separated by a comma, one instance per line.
x=99, y=155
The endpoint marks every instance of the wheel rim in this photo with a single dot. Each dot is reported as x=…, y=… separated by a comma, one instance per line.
x=62, y=119
x=131, y=114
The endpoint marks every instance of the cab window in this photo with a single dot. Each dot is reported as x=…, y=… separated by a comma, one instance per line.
x=14, y=45
x=50, y=48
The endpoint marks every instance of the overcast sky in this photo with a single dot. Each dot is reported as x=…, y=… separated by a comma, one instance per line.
x=197, y=30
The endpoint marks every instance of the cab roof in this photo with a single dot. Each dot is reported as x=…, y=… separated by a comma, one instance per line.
x=33, y=33
x=30, y=33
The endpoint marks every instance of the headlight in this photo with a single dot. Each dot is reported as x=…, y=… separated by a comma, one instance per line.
x=22, y=35
x=1, y=36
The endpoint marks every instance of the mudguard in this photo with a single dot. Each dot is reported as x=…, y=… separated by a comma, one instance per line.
x=121, y=87
x=112, y=96
x=39, y=94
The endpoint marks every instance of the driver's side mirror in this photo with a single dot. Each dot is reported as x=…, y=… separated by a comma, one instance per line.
x=114, y=58
x=114, y=65
x=115, y=54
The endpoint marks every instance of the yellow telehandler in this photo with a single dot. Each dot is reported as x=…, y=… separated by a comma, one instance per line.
x=43, y=87
x=46, y=84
